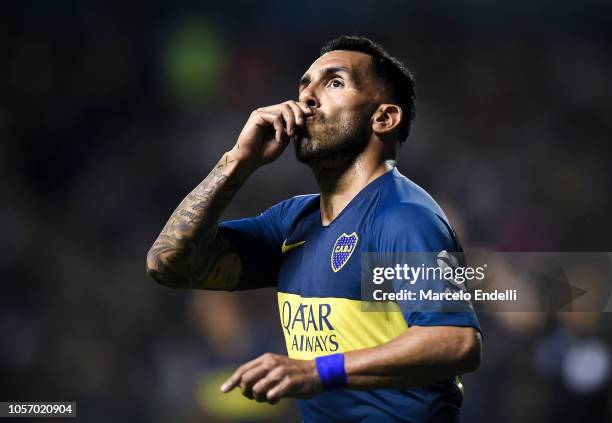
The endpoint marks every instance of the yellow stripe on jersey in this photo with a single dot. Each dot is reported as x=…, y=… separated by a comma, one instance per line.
x=320, y=326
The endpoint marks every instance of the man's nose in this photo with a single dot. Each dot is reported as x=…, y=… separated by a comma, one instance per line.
x=308, y=97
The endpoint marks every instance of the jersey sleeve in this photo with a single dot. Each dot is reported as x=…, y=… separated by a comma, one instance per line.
x=413, y=228
x=258, y=243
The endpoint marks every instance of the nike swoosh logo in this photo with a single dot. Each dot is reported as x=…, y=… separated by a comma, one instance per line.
x=286, y=247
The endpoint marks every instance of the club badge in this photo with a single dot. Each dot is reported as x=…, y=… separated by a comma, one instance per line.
x=343, y=250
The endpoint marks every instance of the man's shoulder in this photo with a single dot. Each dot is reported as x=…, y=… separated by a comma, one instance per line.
x=402, y=200
x=296, y=204
x=288, y=212
x=408, y=215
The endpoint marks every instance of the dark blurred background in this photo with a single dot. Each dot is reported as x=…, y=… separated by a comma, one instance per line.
x=111, y=112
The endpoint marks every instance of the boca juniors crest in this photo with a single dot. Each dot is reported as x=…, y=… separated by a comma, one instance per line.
x=343, y=250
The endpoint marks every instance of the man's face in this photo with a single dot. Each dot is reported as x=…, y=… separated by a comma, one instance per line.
x=341, y=89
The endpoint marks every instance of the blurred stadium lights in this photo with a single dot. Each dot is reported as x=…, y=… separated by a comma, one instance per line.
x=193, y=57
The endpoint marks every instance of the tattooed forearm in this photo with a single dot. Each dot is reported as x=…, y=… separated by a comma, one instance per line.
x=191, y=216
x=189, y=253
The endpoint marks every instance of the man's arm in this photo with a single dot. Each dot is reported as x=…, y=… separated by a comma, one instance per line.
x=189, y=252
x=419, y=357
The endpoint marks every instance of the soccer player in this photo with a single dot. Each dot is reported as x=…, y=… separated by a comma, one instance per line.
x=355, y=108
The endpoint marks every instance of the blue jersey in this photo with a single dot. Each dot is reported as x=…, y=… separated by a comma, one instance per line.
x=316, y=270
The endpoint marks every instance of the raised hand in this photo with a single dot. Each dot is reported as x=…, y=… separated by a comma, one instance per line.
x=268, y=131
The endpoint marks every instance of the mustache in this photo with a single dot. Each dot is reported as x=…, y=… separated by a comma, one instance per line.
x=315, y=117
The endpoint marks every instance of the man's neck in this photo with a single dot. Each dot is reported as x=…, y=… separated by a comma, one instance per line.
x=340, y=185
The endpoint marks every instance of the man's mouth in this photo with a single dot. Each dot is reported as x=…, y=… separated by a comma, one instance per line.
x=302, y=130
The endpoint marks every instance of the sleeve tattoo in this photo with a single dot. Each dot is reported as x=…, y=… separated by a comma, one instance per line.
x=189, y=253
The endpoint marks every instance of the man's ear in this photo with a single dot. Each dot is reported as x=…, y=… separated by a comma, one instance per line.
x=386, y=118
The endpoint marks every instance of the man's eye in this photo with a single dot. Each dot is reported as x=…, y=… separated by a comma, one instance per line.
x=336, y=83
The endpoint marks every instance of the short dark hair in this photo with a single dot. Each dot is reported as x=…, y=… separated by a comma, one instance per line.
x=389, y=70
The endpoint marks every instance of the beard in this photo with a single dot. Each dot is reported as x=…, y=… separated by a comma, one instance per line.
x=334, y=142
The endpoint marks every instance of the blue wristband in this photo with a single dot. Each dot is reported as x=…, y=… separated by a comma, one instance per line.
x=331, y=371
